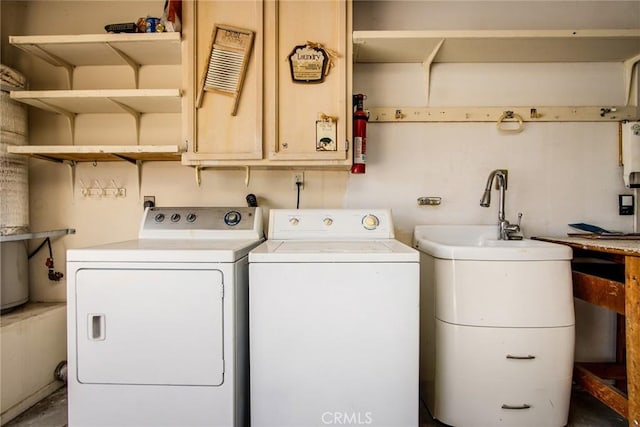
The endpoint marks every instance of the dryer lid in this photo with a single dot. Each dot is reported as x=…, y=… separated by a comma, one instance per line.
x=166, y=250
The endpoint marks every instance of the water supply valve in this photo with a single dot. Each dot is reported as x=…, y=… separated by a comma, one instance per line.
x=53, y=275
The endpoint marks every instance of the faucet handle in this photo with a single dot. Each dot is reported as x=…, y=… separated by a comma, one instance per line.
x=510, y=229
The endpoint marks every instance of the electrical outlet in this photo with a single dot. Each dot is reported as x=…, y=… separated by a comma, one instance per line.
x=149, y=201
x=298, y=177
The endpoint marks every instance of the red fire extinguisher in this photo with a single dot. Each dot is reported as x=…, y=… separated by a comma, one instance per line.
x=360, y=118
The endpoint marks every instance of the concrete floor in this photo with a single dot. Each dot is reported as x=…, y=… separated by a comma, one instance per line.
x=585, y=411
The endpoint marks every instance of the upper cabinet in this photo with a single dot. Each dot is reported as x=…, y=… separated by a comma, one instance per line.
x=285, y=116
x=133, y=52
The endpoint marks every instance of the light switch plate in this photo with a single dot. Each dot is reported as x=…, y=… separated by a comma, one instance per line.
x=626, y=204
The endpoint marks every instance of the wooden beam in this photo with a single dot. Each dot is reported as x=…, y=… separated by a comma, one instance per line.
x=605, y=370
x=595, y=386
x=602, y=292
x=533, y=113
x=632, y=307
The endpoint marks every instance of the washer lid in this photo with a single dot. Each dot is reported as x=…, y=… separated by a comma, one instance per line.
x=336, y=251
x=166, y=250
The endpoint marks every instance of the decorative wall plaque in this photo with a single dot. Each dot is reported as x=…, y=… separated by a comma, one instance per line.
x=309, y=63
x=326, y=134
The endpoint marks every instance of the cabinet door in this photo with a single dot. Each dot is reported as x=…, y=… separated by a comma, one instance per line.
x=292, y=108
x=219, y=134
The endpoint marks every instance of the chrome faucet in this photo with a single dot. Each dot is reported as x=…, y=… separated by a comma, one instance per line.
x=506, y=230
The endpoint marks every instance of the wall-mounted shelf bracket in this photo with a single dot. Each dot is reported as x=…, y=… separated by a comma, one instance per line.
x=133, y=64
x=72, y=171
x=426, y=65
x=71, y=119
x=126, y=158
x=198, y=170
x=54, y=60
x=629, y=67
x=133, y=113
x=139, y=168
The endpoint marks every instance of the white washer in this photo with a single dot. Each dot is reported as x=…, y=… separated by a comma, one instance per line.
x=334, y=319
x=157, y=327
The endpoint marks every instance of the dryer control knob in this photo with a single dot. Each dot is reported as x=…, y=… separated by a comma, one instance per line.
x=159, y=217
x=370, y=222
x=175, y=217
x=327, y=221
x=191, y=217
x=232, y=218
x=294, y=221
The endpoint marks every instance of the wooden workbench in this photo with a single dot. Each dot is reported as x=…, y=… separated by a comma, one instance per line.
x=616, y=286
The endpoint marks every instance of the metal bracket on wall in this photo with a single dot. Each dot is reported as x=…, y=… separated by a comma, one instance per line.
x=198, y=170
x=629, y=66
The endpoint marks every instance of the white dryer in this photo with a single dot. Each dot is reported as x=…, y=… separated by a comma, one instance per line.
x=334, y=319
x=157, y=327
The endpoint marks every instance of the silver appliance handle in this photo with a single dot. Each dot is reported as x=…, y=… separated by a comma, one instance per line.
x=527, y=357
x=523, y=406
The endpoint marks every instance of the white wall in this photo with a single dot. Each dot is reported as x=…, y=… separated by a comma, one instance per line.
x=558, y=172
x=494, y=14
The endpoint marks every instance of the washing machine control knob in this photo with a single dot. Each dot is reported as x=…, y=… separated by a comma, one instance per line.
x=327, y=221
x=294, y=221
x=159, y=217
x=191, y=217
x=370, y=222
x=232, y=218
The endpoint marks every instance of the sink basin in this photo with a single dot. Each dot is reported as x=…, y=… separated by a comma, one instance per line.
x=480, y=242
x=496, y=324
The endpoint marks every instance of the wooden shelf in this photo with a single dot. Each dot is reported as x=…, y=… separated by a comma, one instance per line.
x=501, y=46
x=133, y=102
x=103, y=49
x=496, y=46
x=99, y=153
x=134, y=50
x=71, y=51
x=103, y=100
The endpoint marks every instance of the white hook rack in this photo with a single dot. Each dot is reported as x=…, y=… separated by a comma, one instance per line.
x=96, y=190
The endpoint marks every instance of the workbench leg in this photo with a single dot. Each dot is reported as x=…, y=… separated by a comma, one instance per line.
x=632, y=314
x=621, y=350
